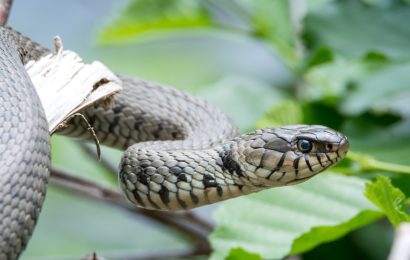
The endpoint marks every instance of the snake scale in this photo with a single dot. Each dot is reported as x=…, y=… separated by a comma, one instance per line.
x=180, y=151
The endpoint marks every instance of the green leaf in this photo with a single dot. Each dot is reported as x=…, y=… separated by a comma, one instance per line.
x=331, y=80
x=280, y=221
x=376, y=2
x=384, y=143
x=373, y=83
x=320, y=56
x=208, y=56
x=286, y=113
x=142, y=16
x=248, y=98
x=319, y=235
x=374, y=56
x=291, y=112
x=265, y=19
x=368, y=163
x=240, y=254
x=389, y=199
x=272, y=21
x=268, y=20
x=352, y=28
x=317, y=4
x=388, y=146
x=383, y=90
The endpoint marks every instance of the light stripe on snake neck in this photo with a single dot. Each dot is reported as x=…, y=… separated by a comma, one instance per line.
x=181, y=152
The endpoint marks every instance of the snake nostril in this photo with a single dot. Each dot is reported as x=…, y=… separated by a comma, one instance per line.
x=344, y=146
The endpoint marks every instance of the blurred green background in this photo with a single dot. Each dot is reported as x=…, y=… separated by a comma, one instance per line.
x=344, y=64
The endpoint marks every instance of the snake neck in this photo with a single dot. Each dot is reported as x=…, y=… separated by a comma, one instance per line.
x=178, y=180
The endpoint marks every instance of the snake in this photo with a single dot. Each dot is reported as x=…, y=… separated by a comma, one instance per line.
x=180, y=151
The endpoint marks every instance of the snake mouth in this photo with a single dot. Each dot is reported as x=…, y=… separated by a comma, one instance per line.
x=328, y=163
x=343, y=148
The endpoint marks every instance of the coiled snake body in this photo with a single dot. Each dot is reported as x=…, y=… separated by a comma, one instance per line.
x=181, y=152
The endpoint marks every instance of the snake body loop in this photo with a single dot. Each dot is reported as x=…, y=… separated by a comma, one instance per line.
x=180, y=151
x=24, y=151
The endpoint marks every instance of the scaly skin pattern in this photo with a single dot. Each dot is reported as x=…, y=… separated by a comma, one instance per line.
x=167, y=179
x=181, y=151
x=170, y=136
x=24, y=152
x=145, y=111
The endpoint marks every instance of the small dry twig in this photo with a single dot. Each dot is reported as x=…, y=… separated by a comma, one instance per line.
x=93, y=134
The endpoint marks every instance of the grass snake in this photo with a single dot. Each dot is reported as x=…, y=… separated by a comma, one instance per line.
x=180, y=151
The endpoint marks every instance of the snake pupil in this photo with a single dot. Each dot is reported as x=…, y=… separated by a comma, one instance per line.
x=304, y=145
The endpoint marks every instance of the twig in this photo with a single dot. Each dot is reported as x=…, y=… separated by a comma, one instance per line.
x=183, y=222
x=175, y=254
x=107, y=164
x=90, y=129
x=113, y=169
x=92, y=256
x=401, y=244
x=200, y=221
x=368, y=163
x=5, y=6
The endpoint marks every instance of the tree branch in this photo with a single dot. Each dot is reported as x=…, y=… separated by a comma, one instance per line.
x=5, y=6
x=90, y=150
x=175, y=254
x=184, y=222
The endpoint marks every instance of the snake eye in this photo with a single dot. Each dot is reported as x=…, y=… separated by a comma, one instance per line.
x=329, y=147
x=304, y=145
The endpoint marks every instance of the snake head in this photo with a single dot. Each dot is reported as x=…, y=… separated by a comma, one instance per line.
x=291, y=154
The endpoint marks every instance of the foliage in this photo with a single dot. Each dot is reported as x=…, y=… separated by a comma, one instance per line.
x=347, y=67
x=331, y=25
x=278, y=222
x=240, y=254
x=389, y=199
x=146, y=16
